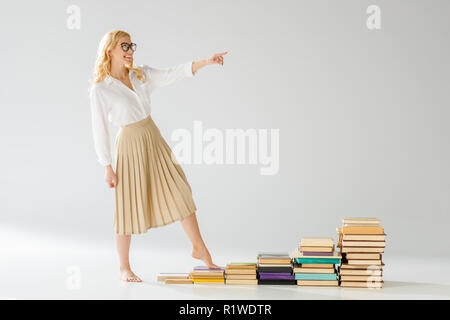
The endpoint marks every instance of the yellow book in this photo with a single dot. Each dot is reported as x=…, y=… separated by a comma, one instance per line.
x=208, y=280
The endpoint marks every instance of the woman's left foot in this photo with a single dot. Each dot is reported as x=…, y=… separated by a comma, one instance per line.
x=203, y=254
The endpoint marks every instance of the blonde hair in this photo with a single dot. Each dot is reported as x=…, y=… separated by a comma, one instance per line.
x=103, y=63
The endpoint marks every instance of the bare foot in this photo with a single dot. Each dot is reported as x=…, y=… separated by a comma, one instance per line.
x=203, y=254
x=128, y=276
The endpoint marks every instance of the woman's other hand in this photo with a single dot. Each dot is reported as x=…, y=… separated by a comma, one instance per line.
x=110, y=177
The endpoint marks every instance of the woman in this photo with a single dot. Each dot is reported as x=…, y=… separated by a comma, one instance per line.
x=151, y=189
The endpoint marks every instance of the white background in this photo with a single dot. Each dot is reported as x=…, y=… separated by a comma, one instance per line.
x=363, y=118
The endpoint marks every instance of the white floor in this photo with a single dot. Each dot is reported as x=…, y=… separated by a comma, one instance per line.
x=49, y=269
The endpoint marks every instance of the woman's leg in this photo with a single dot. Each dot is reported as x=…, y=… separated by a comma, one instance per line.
x=123, y=248
x=199, y=250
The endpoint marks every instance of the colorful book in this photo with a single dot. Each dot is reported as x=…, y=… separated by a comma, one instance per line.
x=240, y=276
x=310, y=253
x=317, y=249
x=208, y=280
x=274, y=269
x=274, y=261
x=178, y=281
x=362, y=249
x=315, y=283
x=241, y=282
x=284, y=276
x=366, y=221
x=367, y=256
x=362, y=284
x=172, y=275
x=205, y=268
x=314, y=270
x=317, y=242
x=364, y=262
x=362, y=229
x=240, y=271
x=364, y=237
x=276, y=282
x=377, y=278
x=360, y=272
x=316, y=276
x=349, y=243
x=241, y=265
x=317, y=260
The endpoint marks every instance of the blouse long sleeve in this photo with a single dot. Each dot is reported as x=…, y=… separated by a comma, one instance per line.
x=100, y=127
x=160, y=77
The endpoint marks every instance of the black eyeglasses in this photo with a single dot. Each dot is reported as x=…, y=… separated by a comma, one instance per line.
x=126, y=46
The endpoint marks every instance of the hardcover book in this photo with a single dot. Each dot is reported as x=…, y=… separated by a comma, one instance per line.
x=317, y=260
x=316, y=242
x=325, y=283
x=362, y=229
x=315, y=276
x=241, y=282
x=362, y=284
x=276, y=282
x=284, y=276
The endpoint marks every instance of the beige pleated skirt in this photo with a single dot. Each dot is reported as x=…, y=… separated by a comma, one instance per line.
x=152, y=189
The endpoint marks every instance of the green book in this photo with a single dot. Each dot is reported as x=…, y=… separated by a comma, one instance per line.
x=315, y=276
x=317, y=260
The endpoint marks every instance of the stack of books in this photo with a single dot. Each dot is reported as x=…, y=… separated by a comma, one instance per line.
x=204, y=275
x=241, y=273
x=275, y=268
x=174, y=278
x=362, y=242
x=314, y=262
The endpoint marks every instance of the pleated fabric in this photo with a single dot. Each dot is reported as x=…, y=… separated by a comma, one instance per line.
x=152, y=189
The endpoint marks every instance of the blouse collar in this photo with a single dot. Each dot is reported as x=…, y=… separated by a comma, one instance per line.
x=109, y=78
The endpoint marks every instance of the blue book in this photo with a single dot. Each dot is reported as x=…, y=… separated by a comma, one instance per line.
x=317, y=260
x=315, y=276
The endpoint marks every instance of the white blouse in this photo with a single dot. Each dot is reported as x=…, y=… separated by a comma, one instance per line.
x=112, y=101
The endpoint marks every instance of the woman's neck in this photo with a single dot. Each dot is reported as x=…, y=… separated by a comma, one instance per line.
x=119, y=71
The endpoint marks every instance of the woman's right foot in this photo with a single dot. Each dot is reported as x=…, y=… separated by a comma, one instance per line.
x=203, y=254
x=128, y=276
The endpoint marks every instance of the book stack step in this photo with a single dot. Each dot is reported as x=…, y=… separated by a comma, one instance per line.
x=174, y=278
x=275, y=268
x=361, y=242
x=243, y=273
x=204, y=275
x=314, y=262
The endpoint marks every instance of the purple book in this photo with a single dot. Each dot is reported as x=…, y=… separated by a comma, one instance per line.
x=310, y=253
x=272, y=275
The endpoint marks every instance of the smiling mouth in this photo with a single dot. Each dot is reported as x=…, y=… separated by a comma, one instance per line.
x=129, y=58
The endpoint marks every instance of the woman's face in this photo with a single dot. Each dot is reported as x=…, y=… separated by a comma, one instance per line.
x=118, y=53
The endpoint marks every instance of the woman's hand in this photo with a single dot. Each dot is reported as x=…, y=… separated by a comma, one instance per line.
x=217, y=58
x=110, y=177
